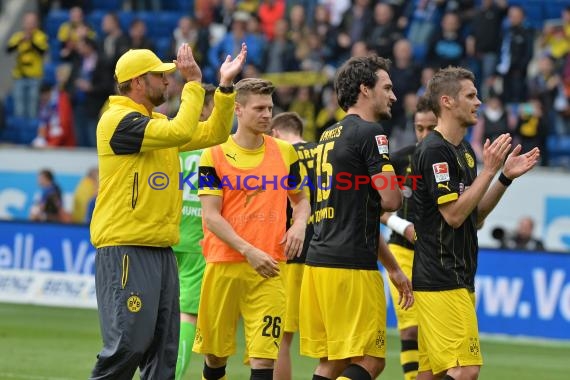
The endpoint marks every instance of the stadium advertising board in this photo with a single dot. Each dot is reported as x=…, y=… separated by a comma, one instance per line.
x=518, y=293
x=521, y=293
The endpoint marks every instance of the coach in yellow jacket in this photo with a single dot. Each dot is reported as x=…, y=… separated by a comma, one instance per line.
x=137, y=211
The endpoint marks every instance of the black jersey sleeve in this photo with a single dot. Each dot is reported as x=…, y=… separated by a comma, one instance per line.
x=440, y=173
x=374, y=149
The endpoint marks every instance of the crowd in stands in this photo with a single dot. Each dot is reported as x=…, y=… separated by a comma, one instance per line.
x=66, y=52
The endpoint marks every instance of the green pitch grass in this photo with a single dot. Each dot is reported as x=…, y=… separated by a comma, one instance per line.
x=46, y=343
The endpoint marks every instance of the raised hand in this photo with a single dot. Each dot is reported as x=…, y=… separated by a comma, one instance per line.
x=494, y=153
x=187, y=65
x=517, y=164
x=231, y=68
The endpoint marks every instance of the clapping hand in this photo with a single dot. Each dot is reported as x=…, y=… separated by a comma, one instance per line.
x=187, y=65
x=517, y=164
x=231, y=68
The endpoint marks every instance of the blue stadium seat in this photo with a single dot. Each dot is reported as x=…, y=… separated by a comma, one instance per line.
x=419, y=53
x=9, y=105
x=164, y=23
x=95, y=19
x=49, y=73
x=558, y=148
x=53, y=21
x=186, y=6
x=21, y=130
x=9, y=136
x=534, y=14
x=553, y=9
x=125, y=19
x=150, y=19
x=162, y=45
x=108, y=5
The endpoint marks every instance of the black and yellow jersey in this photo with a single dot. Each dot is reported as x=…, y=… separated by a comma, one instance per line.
x=445, y=258
x=347, y=208
x=30, y=57
x=305, y=151
x=402, y=160
x=139, y=200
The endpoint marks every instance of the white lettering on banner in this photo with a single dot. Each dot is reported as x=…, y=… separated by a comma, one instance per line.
x=547, y=296
x=48, y=288
x=24, y=255
x=18, y=285
x=62, y=288
x=75, y=266
x=501, y=295
x=11, y=199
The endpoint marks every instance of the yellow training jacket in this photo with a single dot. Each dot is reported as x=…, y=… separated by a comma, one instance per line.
x=133, y=147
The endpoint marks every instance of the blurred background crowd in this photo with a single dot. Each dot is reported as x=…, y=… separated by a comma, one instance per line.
x=64, y=54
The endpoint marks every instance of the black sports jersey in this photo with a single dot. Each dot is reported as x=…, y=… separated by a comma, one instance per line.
x=445, y=258
x=402, y=160
x=347, y=207
x=305, y=151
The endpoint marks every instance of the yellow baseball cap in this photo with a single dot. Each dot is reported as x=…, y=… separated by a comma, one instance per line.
x=137, y=62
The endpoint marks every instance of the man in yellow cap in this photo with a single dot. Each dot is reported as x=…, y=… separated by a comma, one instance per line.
x=137, y=212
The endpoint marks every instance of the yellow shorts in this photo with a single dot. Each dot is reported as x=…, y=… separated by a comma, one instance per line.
x=447, y=330
x=293, y=274
x=342, y=313
x=233, y=289
x=405, y=258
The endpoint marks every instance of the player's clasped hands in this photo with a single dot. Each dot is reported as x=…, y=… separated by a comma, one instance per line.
x=404, y=286
x=187, y=65
x=263, y=264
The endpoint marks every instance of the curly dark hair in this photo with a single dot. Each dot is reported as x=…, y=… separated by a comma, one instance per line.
x=353, y=73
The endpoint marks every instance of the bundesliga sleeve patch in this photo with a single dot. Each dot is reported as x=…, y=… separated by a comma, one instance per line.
x=382, y=142
x=441, y=172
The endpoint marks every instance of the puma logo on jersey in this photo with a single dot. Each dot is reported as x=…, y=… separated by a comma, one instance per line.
x=249, y=196
x=443, y=186
x=233, y=158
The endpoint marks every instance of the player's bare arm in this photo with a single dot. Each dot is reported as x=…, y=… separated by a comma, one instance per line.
x=397, y=276
x=391, y=196
x=295, y=236
x=263, y=264
x=494, y=154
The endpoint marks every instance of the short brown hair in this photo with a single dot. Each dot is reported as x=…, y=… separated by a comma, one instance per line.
x=252, y=86
x=125, y=87
x=288, y=121
x=446, y=82
x=423, y=105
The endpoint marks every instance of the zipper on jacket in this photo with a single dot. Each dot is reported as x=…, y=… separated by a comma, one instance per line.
x=135, y=194
x=125, y=271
